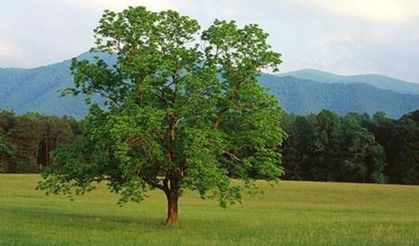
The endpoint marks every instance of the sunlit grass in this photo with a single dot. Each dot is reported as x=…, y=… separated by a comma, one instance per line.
x=291, y=213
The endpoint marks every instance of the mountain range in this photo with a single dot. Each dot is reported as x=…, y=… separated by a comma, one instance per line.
x=302, y=96
x=376, y=80
x=301, y=92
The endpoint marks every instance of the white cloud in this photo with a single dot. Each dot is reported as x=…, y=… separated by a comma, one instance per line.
x=3, y=24
x=9, y=50
x=346, y=36
x=118, y=5
x=370, y=10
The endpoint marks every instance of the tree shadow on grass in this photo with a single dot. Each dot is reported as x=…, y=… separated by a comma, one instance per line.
x=82, y=218
x=88, y=219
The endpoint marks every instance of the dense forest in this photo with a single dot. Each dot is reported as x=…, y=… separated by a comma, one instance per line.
x=323, y=146
x=27, y=141
x=352, y=148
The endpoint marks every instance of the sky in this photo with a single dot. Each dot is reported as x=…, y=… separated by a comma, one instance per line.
x=340, y=36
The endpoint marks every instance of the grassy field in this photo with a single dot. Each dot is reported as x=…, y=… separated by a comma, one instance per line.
x=290, y=213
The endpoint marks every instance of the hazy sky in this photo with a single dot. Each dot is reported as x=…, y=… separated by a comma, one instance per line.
x=341, y=36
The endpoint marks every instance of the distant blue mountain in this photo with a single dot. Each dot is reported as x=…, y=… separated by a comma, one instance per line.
x=36, y=89
x=303, y=97
x=376, y=80
x=23, y=90
x=300, y=92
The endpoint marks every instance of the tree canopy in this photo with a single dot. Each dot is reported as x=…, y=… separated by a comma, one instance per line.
x=183, y=110
x=27, y=140
x=350, y=148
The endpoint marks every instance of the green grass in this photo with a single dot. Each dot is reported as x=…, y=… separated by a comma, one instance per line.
x=290, y=213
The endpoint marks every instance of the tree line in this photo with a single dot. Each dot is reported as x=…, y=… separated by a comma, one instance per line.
x=28, y=141
x=322, y=147
x=352, y=148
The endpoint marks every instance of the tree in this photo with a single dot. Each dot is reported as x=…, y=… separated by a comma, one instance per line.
x=6, y=151
x=54, y=132
x=382, y=128
x=414, y=116
x=297, y=150
x=183, y=110
x=34, y=137
x=364, y=160
x=7, y=122
x=404, y=152
x=25, y=136
x=327, y=146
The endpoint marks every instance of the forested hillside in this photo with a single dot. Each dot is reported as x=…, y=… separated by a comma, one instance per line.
x=37, y=90
x=376, y=80
x=302, y=92
x=303, y=97
x=322, y=147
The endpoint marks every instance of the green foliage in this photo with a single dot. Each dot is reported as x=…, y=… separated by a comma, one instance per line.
x=184, y=109
x=5, y=148
x=6, y=152
x=400, y=139
x=27, y=141
x=365, y=159
x=353, y=148
x=331, y=148
x=326, y=145
x=404, y=153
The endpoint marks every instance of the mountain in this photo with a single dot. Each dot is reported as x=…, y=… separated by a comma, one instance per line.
x=300, y=92
x=376, y=80
x=303, y=97
x=37, y=89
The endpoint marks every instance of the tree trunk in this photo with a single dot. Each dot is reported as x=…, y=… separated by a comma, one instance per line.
x=172, y=209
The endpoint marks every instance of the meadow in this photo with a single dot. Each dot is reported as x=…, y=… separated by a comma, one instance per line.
x=289, y=213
